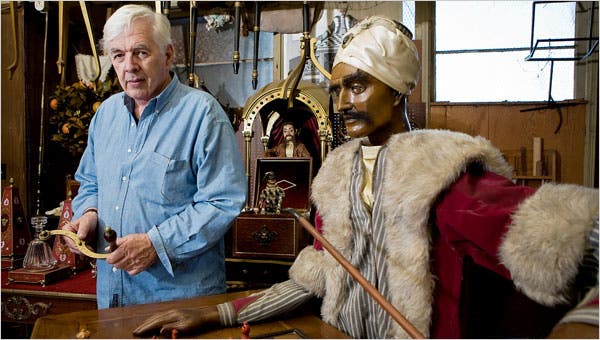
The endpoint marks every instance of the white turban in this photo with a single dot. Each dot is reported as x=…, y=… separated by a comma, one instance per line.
x=382, y=48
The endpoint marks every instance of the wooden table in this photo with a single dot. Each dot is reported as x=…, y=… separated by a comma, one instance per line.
x=120, y=322
x=23, y=303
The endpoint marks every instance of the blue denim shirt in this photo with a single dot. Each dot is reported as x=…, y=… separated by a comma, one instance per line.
x=176, y=175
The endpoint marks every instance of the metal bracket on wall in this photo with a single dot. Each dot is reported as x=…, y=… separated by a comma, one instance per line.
x=535, y=46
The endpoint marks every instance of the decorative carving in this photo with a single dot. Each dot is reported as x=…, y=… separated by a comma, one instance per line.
x=19, y=308
x=264, y=236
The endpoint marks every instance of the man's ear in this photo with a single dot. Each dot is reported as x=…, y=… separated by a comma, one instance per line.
x=170, y=54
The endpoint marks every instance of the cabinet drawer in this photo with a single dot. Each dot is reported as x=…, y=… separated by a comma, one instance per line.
x=243, y=274
x=267, y=237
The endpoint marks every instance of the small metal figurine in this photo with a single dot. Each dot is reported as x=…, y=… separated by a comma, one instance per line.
x=271, y=196
x=83, y=333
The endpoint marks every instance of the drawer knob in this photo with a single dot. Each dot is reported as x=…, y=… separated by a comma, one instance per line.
x=264, y=236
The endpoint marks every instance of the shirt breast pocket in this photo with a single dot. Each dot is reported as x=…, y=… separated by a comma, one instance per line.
x=178, y=183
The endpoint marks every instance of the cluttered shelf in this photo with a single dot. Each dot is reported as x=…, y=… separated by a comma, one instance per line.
x=533, y=167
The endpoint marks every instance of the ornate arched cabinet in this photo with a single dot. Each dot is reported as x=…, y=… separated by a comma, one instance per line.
x=264, y=246
x=311, y=108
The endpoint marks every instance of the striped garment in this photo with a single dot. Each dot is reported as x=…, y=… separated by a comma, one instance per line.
x=360, y=316
x=277, y=299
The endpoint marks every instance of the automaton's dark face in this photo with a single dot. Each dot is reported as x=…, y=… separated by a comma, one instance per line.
x=369, y=107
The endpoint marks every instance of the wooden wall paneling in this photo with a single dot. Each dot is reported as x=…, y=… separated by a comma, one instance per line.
x=415, y=96
x=437, y=116
x=470, y=119
x=508, y=128
x=512, y=129
x=13, y=106
x=57, y=163
x=33, y=69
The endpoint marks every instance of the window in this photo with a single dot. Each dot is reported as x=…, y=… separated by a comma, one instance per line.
x=482, y=46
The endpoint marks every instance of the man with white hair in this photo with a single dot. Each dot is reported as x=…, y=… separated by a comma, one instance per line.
x=426, y=217
x=162, y=168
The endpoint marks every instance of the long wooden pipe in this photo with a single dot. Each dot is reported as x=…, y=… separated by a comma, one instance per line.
x=387, y=306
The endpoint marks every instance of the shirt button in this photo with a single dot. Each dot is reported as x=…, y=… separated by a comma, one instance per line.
x=123, y=178
x=129, y=150
x=117, y=207
x=132, y=124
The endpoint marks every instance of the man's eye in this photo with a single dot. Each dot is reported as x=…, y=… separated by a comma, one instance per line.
x=356, y=88
x=117, y=56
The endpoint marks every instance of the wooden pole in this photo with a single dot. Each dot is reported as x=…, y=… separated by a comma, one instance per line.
x=386, y=305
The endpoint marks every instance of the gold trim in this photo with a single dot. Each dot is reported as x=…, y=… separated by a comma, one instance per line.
x=36, y=293
x=285, y=263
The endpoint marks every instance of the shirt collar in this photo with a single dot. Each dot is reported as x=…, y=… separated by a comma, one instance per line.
x=159, y=101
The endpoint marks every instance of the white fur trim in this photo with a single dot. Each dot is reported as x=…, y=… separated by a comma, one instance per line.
x=546, y=240
x=420, y=165
x=308, y=270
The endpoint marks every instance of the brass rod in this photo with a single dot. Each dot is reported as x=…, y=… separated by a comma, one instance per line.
x=192, y=50
x=379, y=298
x=256, y=40
x=236, y=37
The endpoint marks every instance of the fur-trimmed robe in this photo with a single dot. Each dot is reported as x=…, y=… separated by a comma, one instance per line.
x=541, y=248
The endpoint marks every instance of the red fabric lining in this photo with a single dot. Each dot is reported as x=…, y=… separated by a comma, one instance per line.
x=81, y=283
x=472, y=218
x=319, y=226
x=239, y=304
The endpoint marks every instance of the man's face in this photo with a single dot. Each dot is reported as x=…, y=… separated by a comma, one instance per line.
x=289, y=132
x=140, y=64
x=368, y=106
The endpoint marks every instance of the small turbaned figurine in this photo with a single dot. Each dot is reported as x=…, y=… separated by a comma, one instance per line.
x=271, y=196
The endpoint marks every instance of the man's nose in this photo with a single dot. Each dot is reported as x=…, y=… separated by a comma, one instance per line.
x=130, y=63
x=343, y=101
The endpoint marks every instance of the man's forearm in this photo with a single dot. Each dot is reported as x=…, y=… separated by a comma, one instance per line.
x=277, y=299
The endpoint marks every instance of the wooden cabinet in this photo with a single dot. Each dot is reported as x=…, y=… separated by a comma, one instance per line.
x=23, y=304
x=267, y=236
x=246, y=273
x=262, y=246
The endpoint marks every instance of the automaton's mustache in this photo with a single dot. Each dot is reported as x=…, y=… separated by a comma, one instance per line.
x=355, y=115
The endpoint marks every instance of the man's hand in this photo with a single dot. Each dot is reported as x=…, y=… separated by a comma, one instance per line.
x=134, y=254
x=183, y=320
x=85, y=228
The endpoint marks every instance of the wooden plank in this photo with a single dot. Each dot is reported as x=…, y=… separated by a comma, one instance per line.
x=119, y=323
x=508, y=128
x=537, y=156
x=13, y=110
